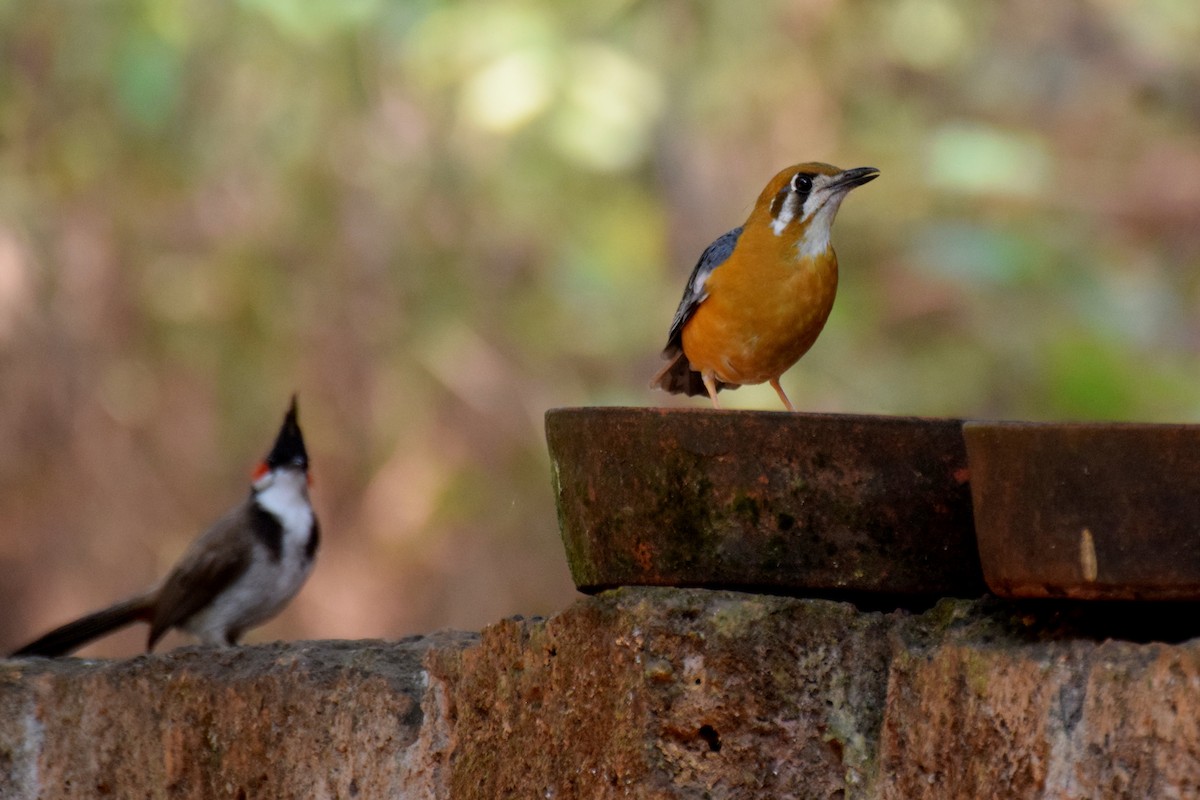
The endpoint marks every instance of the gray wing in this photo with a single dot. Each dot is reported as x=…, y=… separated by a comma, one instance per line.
x=210, y=565
x=694, y=294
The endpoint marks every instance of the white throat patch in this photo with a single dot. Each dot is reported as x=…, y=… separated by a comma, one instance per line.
x=287, y=498
x=816, y=238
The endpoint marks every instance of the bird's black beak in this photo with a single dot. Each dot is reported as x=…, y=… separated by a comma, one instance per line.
x=289, y=445
x=851, y=178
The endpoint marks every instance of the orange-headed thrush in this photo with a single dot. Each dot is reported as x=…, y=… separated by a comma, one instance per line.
x=760, y=294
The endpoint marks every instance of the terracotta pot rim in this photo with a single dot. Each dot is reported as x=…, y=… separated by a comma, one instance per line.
x=1063, y=425
x=672, y=411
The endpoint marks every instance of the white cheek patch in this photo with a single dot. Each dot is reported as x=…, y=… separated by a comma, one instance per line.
x=786, y=214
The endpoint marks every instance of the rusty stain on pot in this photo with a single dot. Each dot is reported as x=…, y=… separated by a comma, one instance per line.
x=763, y=500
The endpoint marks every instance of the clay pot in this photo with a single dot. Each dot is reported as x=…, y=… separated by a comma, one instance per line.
x=1097, y=511
x=806, y=504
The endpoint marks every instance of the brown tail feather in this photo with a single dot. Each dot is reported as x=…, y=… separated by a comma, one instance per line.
x=678, y=377
x=67, y=638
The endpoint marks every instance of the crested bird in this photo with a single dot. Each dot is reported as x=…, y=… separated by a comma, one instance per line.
x=238, y=574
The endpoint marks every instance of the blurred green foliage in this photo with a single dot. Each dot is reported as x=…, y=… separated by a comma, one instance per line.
x=435, y=220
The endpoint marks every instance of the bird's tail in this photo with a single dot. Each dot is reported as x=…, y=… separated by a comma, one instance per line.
x=678, y=377
x=67, y=638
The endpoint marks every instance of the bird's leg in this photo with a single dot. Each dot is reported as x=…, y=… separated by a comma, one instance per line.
x=710, y=383
x=782, y=395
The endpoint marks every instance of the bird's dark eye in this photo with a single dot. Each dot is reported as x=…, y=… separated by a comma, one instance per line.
x=802, y=183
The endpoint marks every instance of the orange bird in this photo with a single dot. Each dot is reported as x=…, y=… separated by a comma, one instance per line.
x=760, y=294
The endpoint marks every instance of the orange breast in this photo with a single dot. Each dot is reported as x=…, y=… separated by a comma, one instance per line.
x=765, y=308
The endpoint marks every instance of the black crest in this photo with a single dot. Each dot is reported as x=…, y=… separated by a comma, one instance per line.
x=289, y=445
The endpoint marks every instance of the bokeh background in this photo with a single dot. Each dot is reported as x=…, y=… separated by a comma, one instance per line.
x=436, y=220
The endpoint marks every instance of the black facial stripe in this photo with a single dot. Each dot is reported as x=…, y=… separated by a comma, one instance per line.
x=267, y=530
x=314, y=539
x=777, y=203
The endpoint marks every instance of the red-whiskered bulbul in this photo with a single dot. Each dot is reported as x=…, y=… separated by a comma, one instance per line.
x=238, y=574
